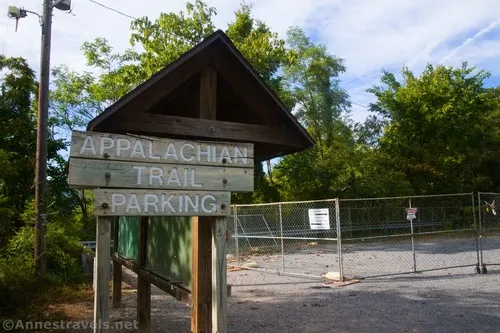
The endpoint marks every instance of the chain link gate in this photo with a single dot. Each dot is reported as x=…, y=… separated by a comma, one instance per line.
x=489, y=229
x=368, y=237
x=381, y=236
x=280, y=238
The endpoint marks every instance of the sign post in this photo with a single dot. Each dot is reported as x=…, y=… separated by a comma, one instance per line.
x=411, y=213
x=148, y=176
x=211, y=92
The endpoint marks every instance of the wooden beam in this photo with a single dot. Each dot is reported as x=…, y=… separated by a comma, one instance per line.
x=232, y=72
x=201, y=275
x=127, y=263
x=143, y=286
x=101, y=296
x=173, y=289
x=219, y=278
x=117, y=270
x=163, y=125
x=151, y=92
x=208, y=94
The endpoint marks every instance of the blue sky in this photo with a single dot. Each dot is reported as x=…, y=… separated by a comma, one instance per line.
x=369, y=35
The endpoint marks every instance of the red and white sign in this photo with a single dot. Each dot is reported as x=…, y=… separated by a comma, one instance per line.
x=411, y=213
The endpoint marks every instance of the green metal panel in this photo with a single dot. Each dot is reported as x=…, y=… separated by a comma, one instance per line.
x=169, y=247
x=128, y=237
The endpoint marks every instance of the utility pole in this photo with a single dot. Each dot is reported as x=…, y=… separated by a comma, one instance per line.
x=42, y=128
x=41, y=141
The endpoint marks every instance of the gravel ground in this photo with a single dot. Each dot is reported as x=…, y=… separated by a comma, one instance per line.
x=371, y=258
x=439, y=301
x=450, y=300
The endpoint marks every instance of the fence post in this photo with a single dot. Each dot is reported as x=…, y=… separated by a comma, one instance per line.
x=281, y=238
x=476, y=232
x=412, y=241
x=235, y=214
x=350, y=221
x=339, y=240
x=481, y=263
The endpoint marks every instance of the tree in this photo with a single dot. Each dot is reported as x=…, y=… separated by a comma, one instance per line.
x=77, y=98
x=322, y=106
x=18, y=91
x=17, y=139
x=435, y=126
x=488, y=178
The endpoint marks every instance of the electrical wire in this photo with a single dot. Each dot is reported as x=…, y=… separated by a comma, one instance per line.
x=114, y=10
x=133, y=18
x=364, y=106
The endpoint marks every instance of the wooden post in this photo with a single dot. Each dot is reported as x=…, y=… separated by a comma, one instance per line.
x=101, y=297
x=219, y=272
x=143, y=285
x=201, y=275
x=117, y=270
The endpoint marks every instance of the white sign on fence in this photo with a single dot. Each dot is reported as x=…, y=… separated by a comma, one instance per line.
x=411, y=213
x=319, y=219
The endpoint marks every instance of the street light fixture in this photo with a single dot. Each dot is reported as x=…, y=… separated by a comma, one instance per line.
x=18, y=13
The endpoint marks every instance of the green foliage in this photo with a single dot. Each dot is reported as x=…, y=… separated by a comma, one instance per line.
x=17, y=140
x=19, y=287
x=18, y=89
x=435, y=128
x=313, y=80
x=63, y=251
x=169, y=36
x=264, y=191
x=321, y=105
x=434, y=133
x=17, y=283
x=77, y=98
x=263, y=48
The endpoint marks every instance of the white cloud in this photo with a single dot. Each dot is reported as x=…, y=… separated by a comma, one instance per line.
x=369, y=35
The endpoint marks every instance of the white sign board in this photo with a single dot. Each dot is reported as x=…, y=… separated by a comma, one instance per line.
x=136, y=148
x=411, y=213
x=93, y=173
x=124, y=202
x=139, y=175
x=319, y=219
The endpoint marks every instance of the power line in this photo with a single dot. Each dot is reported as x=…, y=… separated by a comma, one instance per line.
x=114, y=10
x=363, y=106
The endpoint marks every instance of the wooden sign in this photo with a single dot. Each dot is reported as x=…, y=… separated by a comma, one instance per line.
x=86, y=173
x=120, y=202
x=101, y=160
x=135, y=148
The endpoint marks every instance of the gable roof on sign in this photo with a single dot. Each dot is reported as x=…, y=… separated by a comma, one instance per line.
x=247, y=109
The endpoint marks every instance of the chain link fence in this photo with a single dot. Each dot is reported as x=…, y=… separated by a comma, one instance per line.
x=284, y=237
x=489, y=225
x=365, y=238
x=386, y=236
